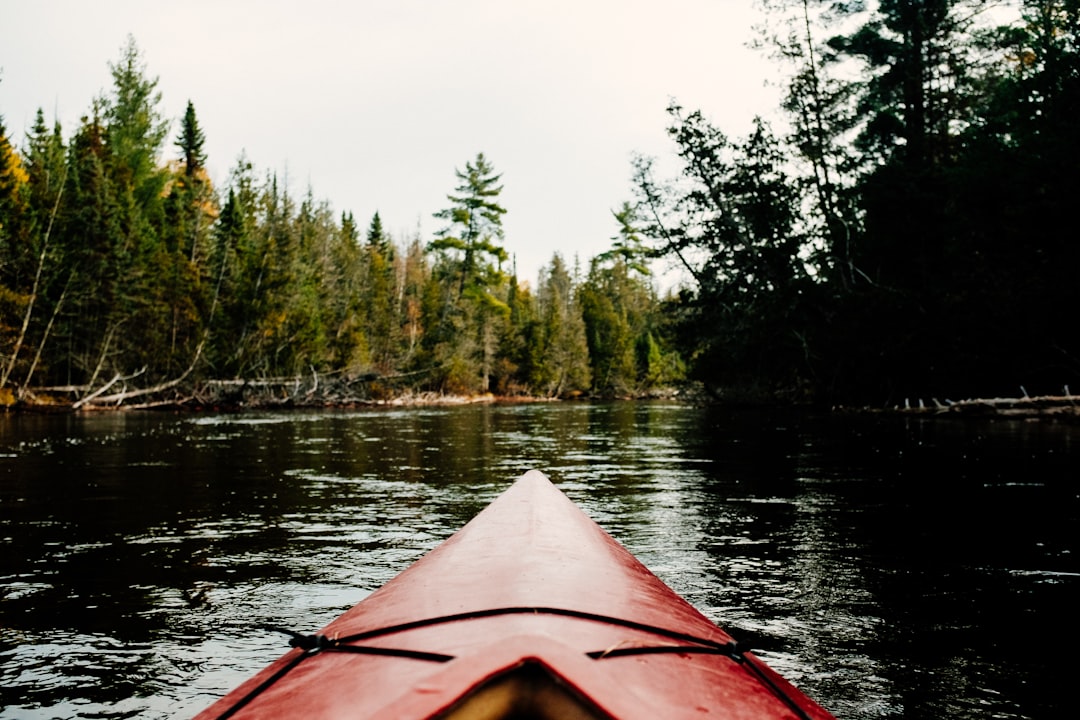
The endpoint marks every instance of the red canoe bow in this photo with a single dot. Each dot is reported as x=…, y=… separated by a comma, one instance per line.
x=529, y=611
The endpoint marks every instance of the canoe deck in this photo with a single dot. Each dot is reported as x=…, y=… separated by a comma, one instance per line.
x=531, y=610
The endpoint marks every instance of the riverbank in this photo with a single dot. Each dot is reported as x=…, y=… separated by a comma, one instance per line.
x=331, y=392
x=312, y=391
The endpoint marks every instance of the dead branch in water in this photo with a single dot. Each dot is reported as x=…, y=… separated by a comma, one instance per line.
x=121, y=397
x=1066, y=405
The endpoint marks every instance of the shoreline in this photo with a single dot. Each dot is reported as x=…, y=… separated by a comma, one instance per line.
x=235, y=396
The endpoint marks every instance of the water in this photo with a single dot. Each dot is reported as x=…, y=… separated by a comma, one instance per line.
x=890, y=567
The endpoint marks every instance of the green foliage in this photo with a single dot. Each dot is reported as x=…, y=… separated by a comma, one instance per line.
x=521, y=346
x=628, y=338
x=115, y=263
x=560, y=356
x=915, y=246
x=907, y=236
x=92, y=238
x=233, y=307
x=469, y=250
x=191, y=142
x=45, y=167
x=628, y=245
x=475, y=231
x=384, y=325
x=15, y=257
x=734, y=221
x=136, y=129
x=14, y=209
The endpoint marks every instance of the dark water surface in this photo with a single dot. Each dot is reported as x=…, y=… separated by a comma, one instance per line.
x=890, y=567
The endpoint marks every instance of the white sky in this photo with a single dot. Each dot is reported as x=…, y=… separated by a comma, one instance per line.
x=376, y=103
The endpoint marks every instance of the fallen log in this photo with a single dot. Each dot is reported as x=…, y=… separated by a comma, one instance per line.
x=1066, y=405
x=97, y=394
x=119, y=398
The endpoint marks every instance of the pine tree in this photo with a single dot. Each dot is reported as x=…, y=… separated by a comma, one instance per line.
x=343, y=298
x=383, y=325
x=91, y=243
x=415, y=274
x=17, y=261
x=378, y=238
x=629, y=244
x=563, y=366
x=471, y=255
x=230, y=312
x=45, y=166
x=191, y=142
x=608, y=311
x=521, y=346
x=136, y=128
x=475, y=230
x=14, y=209
x=735, y=220
x=822, y=112
x=304, y=340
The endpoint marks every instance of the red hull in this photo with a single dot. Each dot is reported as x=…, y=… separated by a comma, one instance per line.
x=530, y=582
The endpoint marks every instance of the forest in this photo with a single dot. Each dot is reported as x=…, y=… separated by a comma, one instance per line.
x=124, y=279
x=899, y=229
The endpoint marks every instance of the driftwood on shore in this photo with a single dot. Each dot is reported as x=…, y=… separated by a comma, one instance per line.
x=341, y=389
x=310, y=390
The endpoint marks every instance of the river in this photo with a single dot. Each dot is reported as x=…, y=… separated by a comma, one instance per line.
x=891, y=567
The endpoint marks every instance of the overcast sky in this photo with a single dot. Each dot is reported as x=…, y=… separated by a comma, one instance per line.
x=375, y=104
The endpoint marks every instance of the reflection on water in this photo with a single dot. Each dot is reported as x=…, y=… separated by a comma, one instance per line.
x=890, y=567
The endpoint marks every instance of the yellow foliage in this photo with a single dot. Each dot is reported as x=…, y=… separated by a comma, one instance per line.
x=1022, y=60
x=12, y=172
x=274, y=323
x=177, y=176
x=209, y=208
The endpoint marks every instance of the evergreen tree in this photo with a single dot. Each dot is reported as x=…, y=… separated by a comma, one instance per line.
x=190, y=207
x=378, y=238
x=1008, y=233
x=303, y=342
x=415, y=274
x=345, y=297
x=246, y=265
x=271, y=266
x=610, y=333
x=562, y=366
x=735, y=220
x=471, y=255
x=14, y=210
x=628, y=245
x=822, y=113
x=521, y=349
x=181, y=261
x=230, y=313
x=475, y=230
x=92, y=245
x=191, y=142
x=136, y=128
x=382, y=312
x=45, y=166
x=918, y=258
x=17, y=288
